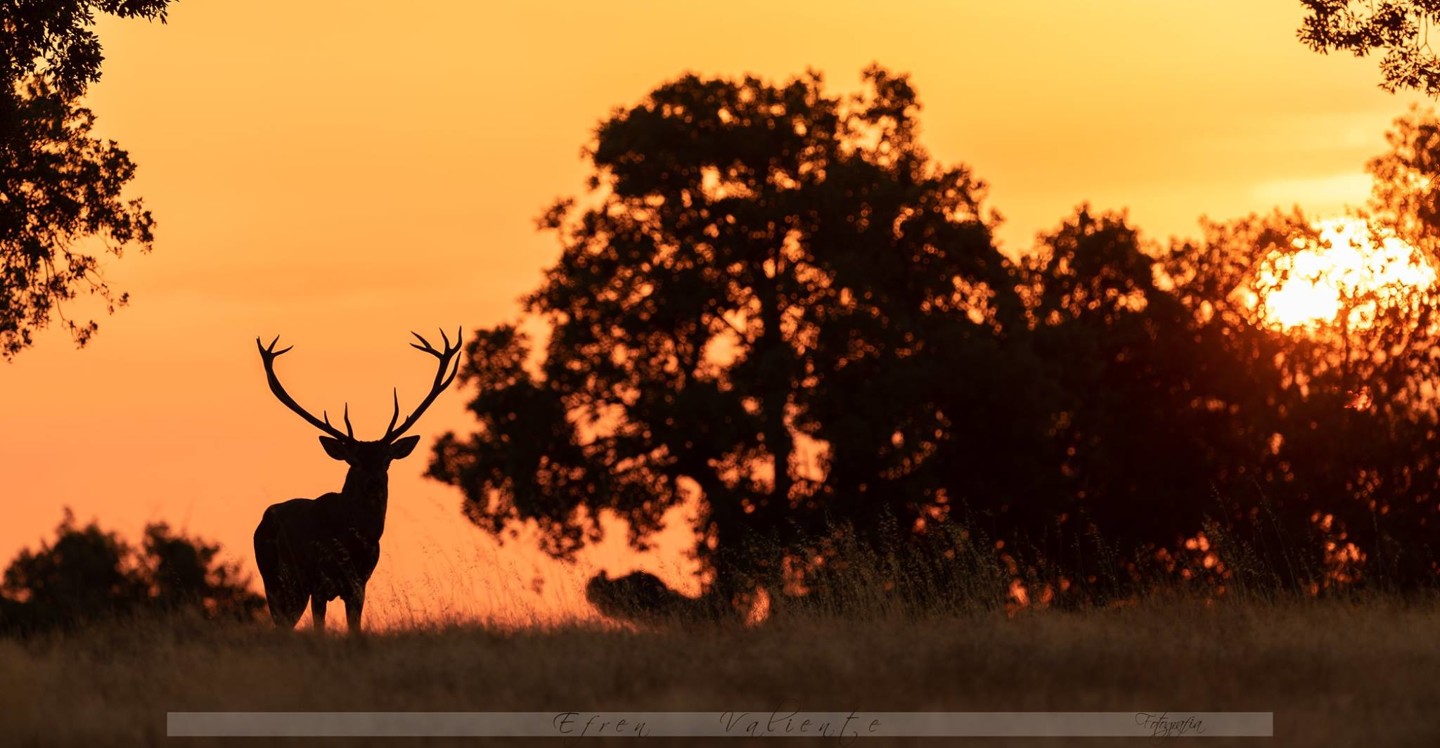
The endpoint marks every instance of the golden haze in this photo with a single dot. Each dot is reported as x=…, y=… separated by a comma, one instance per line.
x=343, y=173
x=1342, y=278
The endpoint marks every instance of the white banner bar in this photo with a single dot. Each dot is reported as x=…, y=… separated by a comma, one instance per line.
x=580, y=724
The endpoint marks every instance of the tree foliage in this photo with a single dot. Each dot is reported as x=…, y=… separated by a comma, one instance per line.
x=61, y=188
x=772, y=299
x=774, y=303
x=1400, y=29
x=87, y=573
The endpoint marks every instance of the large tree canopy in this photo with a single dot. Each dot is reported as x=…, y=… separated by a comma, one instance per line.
x=772, y=299
x=61, y=189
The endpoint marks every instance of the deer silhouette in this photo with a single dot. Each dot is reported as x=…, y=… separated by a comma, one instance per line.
x=324, y=548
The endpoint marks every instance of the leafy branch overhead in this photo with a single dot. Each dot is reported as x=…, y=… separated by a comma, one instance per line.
x=1398, y=29
x=62, y=202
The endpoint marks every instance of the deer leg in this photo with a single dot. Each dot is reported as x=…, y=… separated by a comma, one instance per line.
x=354, y=605
x=317, y=612
x=285, y=608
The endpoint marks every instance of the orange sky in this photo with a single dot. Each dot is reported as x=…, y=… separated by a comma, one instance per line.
x=341, y=173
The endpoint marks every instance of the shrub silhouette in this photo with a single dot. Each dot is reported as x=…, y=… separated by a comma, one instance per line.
x=86, y=574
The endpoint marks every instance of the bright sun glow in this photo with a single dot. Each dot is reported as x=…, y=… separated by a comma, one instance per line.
x=1309, y=286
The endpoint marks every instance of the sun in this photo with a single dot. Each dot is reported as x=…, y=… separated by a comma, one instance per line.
x=1346, y=270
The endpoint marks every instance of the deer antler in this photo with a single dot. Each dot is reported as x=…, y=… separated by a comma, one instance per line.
x=448, y=360
x=268, y=354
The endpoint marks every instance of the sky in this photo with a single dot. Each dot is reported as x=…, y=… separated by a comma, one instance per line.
x=341, y=173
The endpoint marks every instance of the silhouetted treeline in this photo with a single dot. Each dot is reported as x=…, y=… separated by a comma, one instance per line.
x=87, y=574
x=773, y=301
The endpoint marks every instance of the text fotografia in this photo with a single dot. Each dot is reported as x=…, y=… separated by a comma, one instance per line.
x=737, y=724
x=1162, y=725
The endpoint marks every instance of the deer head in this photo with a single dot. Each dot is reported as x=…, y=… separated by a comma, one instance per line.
x=370, y=457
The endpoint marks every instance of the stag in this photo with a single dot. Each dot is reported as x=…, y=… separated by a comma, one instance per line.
x=324, y=548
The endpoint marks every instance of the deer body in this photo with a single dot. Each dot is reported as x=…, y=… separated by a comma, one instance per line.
x=319, y=549
x=315, y=550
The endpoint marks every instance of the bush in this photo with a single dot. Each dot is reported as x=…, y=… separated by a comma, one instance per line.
x=87, y=574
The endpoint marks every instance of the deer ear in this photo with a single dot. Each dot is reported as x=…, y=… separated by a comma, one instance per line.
x=402, y=447
x=335, y=448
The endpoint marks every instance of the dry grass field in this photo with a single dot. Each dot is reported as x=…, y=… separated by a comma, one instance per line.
x=1335, y=673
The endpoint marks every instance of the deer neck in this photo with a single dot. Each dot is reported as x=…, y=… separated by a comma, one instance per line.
x=367, y=495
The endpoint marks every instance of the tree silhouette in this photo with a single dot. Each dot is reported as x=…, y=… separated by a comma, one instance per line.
x=1399, y=29
x=87, y=574
x=60, y=187
x=82, y=575
x=772, y=300
x=1405, y=195
x=1319, y=455
x=1121, y=351
x=185, y=573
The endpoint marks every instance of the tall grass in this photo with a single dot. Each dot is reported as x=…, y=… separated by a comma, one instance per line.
x=1335, y=672
x=952, y=623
